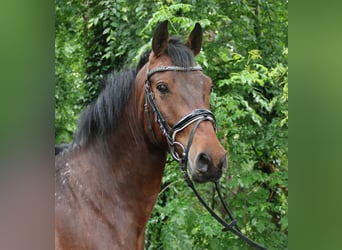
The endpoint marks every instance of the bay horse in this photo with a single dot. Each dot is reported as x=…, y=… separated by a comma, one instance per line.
x=108, y=179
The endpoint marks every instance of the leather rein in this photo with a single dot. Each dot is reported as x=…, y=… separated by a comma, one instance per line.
x=195, y=117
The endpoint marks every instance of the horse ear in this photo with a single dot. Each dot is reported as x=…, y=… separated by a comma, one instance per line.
x=160, y=39
x=195, y=39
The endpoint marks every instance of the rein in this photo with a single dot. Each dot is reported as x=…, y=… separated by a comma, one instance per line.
x=194, y=117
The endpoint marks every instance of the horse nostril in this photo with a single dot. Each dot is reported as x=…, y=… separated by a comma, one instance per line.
x=203, y=162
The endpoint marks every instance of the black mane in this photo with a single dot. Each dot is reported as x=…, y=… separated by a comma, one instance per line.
x=104, y=113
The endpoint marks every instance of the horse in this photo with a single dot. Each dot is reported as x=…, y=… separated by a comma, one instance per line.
x=108, y=178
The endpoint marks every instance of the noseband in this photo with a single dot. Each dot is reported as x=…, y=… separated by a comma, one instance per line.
x=195, y=117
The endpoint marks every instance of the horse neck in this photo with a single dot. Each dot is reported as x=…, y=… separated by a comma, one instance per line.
x=129, y=169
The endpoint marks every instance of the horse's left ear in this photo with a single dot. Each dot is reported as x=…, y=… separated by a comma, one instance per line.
x=194, y=41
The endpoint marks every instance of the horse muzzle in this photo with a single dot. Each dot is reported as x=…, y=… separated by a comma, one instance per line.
x=203, y=156
x=204, y=168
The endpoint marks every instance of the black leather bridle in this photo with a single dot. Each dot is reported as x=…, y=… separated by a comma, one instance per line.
x=195, y=117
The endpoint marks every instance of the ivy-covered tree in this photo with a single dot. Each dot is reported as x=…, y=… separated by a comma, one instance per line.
x=70, y=55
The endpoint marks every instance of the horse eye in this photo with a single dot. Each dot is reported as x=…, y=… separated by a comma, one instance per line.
x=162, y=88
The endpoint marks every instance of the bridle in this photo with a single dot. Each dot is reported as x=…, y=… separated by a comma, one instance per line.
x=195, y=117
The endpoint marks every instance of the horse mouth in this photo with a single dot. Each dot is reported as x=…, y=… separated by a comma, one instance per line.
x=211, y=176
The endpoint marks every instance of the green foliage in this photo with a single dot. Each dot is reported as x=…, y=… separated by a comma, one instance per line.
x=69, y=69
x=245, y=53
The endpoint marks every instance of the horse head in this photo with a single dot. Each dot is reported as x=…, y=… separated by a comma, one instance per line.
x=177, y=95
